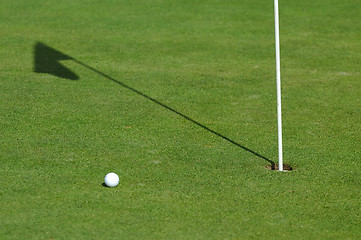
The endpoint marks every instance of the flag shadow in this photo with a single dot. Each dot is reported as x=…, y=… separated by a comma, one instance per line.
x=52, y=56
x=46, y=60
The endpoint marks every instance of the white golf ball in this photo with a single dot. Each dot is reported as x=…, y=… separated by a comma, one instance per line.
x=111, y=179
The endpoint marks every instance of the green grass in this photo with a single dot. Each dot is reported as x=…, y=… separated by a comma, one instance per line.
x=212, y=61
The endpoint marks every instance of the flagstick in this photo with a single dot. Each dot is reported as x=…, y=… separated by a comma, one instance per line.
x=278, y=73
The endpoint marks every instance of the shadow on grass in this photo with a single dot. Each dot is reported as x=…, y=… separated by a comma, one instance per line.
x=46, y=60
x=53, y=56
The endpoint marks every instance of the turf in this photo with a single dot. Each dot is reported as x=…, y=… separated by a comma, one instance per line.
x=192, y=135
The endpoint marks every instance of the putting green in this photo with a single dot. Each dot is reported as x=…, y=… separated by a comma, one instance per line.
x=179, y=99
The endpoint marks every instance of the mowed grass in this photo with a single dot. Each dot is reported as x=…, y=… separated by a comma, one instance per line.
x=212, y=62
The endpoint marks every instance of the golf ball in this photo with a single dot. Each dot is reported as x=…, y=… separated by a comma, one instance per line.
x=111, y=179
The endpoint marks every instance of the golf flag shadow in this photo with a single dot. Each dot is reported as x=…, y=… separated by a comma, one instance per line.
x=46, y=60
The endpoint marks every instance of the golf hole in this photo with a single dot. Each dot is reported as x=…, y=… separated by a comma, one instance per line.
x=286, y=167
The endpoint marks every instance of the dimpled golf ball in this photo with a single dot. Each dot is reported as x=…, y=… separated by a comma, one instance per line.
x=111, y=179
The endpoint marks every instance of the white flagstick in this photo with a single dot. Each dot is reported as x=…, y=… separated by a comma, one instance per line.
x=278, y=72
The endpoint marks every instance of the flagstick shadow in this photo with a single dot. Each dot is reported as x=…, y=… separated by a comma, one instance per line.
x=174, y=111
x=46, y=61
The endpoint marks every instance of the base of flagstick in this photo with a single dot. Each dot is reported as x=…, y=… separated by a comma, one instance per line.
x=274, y=166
